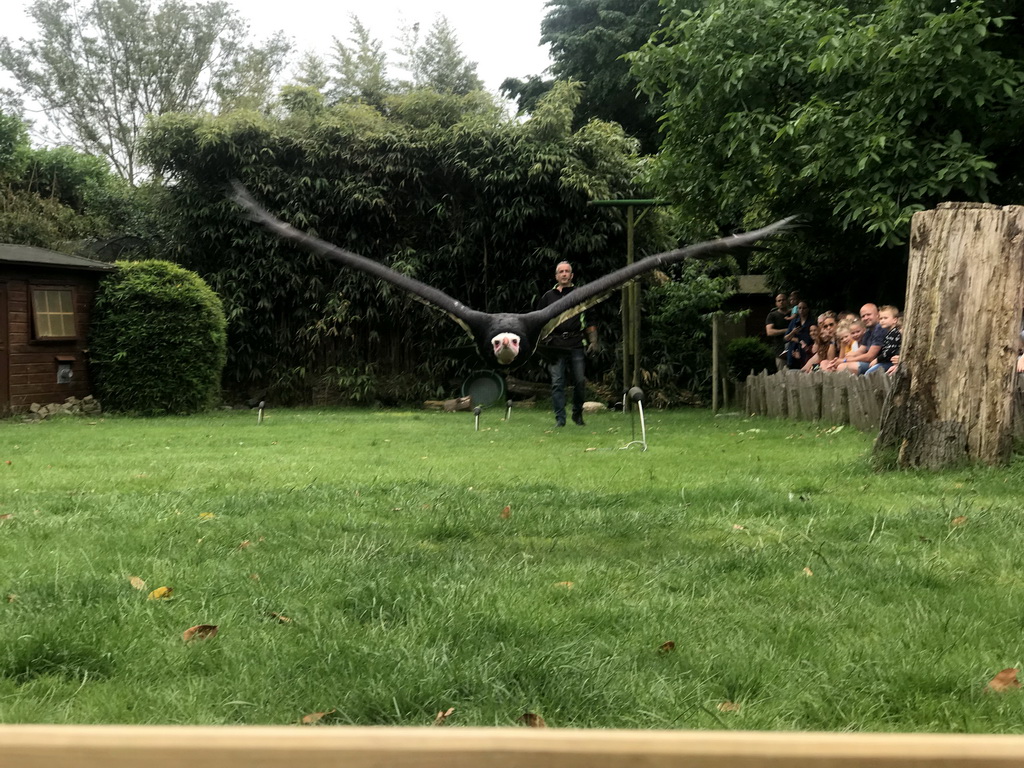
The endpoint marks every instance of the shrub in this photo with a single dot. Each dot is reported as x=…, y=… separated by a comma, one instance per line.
x=748, y=354
x=677, y=332
x=158, y=341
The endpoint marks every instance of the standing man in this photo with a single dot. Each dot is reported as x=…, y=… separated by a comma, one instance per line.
x=566, y=346
x=775, y=328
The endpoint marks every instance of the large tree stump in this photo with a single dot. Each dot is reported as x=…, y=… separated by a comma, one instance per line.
x=952, y=398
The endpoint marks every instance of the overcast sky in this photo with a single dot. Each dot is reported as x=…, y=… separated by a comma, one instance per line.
x=503, y=38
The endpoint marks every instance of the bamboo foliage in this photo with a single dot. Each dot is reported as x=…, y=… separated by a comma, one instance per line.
x=482, y=209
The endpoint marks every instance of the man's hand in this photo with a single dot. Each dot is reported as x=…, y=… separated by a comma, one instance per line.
x=593, y=346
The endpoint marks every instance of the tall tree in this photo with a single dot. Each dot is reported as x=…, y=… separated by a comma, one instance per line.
x=437, y=63
x=360, y=68
x=99, y=69
x=312, y=71
x=856, y=113
x=588, y=39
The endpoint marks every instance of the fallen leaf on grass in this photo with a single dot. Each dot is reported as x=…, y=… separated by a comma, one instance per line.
x=958, y=520
x=160, y=593
x=506, y=513
x=6, y=516
x=808, y=572
x=667, y=647
x=564, y=584
x=739, y=527
x=254, y=576
x=316, y=717
x=138, y=583
x=443, y=715
x=728, y=706
x=280, y=617
x=11, y=598
x=206, y=515
x=199, y=632
x=588, y=450
x=532, y=720
x=1004, y=681
x=244, y=544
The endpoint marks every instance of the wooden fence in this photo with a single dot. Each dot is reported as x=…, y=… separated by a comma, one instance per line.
x=44, y=746
x=832, y=398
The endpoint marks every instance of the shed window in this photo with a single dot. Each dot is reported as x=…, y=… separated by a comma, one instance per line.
x=53, y=311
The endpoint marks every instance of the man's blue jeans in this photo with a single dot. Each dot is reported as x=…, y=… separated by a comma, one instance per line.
x=572, y=362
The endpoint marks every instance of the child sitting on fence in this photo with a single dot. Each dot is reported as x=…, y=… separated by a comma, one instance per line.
x=889, y=354
x=847, y=343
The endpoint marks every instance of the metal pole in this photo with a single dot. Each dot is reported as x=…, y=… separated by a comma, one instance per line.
x=635, y=302
x=630, y=302
x=627, y=317
x=714, y=363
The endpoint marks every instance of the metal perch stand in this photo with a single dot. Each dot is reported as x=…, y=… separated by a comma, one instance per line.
x=637, y=396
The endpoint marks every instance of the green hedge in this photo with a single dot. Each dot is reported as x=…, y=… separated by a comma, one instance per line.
x=748, y=354
x=158, y=342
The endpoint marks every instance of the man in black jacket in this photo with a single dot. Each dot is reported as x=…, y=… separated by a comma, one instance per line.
x=566, y=347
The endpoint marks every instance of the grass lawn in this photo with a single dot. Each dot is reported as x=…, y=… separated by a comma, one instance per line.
x=362, y=562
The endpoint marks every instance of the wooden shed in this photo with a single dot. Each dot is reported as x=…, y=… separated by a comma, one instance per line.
x=45, y=301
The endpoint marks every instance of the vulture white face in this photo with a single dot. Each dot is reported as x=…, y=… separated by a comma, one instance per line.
x=506, y=347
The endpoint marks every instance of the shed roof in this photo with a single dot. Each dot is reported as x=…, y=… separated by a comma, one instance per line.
x=44, y=257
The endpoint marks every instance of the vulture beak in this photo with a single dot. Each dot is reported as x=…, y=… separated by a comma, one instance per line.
x=506, y=347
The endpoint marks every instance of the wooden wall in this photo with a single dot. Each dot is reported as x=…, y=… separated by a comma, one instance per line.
x=32, y=365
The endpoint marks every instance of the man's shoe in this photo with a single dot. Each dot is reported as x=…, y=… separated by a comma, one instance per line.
x=560, y=422
x=578, y=421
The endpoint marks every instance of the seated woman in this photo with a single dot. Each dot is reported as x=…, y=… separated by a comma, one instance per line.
x=824, y=348
x=844, y=345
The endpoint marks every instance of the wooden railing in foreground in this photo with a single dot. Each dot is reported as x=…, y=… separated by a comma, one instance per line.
x=41, y=746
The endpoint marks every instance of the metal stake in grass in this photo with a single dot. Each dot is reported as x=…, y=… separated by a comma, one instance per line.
x=508, y=410
x=637, y=396
x=259, y=413
x=476, y=417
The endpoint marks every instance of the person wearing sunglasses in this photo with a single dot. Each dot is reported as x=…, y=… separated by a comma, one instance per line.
x=825, y=347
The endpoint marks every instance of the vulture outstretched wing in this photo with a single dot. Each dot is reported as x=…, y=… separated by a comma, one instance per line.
x=586, y=296
x=459, y=312
x=503, y=339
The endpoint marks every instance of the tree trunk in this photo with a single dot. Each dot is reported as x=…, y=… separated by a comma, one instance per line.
x=952, y=397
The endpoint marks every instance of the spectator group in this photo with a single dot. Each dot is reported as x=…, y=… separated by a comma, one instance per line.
x=832, y=342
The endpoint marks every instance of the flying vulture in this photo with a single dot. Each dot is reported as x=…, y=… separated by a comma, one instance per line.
x=503, y=339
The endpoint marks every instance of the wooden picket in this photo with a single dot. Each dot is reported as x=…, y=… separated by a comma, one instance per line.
x=832, y=398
